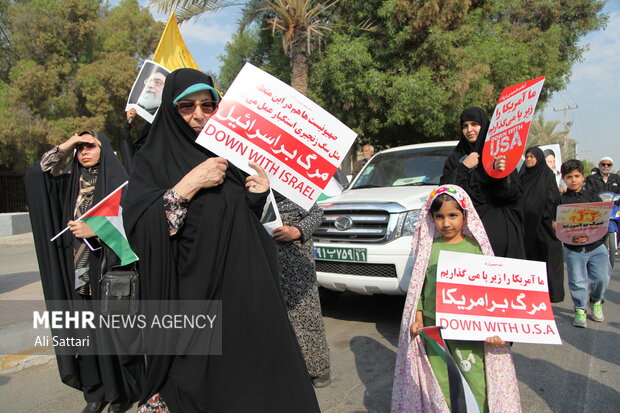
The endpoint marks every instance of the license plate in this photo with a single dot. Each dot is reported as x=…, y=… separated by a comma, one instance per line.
x=340, y=254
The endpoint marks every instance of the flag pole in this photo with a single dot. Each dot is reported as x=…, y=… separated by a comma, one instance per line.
x=98, y=203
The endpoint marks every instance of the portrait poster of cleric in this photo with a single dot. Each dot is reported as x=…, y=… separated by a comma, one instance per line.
x=145, y=94
x=264, y=120
x=553, y=157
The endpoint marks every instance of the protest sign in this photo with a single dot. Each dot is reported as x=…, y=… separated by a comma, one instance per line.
x=510, y=126
x=264, y=120
x=590, y=220
x=481, y=296
x=145, y=95
x=553, y=157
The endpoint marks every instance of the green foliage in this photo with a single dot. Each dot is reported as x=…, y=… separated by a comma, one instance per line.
x=71, y=69
x=241, y=49
x=401, y=71
x=255, y=46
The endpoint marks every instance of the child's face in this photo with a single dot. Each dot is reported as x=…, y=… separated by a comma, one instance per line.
x=449, y=221
x=574, y=180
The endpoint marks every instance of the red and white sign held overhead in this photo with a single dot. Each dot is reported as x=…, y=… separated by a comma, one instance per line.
x=510, y=125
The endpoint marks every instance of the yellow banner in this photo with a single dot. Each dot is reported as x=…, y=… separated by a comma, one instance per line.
x=171, y=52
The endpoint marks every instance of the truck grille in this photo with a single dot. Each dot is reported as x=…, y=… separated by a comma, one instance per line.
x=363, y=269
x=364, y=225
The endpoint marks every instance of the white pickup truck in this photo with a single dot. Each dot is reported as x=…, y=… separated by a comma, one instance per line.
x=364, y=242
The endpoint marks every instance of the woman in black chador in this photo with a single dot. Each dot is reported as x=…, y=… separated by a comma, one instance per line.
x=495, y=200
x=192, y=219
x=540, y=196
x=58, y=193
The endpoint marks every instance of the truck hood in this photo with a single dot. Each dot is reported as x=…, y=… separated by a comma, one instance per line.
x=410, y=197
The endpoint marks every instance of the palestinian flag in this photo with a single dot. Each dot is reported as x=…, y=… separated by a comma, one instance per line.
x=332, y=188
x=462, y=399
x=106, y=220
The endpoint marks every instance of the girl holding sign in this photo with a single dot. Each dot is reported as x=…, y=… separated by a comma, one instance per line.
x=448, y=222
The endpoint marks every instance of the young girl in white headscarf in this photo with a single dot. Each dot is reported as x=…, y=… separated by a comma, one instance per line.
x=447, y=222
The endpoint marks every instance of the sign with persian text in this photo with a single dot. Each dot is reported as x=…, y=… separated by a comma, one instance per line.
x=264, y=120
x=580, y=224
x=481, y=296
x=510, y=126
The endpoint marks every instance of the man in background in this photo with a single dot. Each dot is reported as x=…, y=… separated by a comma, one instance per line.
x=604, y=180
x=368, y=151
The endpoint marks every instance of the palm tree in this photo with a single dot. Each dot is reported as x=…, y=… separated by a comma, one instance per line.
x=301, y=22
x=544, y=133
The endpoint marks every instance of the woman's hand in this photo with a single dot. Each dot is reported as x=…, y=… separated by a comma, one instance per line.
x=131, y=115
x=286, y=233
x=75, y=140
x=499, y=163
x=415, y=329
x=207, y=174
x=417, y=325
x=495, y=341
x=257, y=184
x=80, y=229
x=472, y=160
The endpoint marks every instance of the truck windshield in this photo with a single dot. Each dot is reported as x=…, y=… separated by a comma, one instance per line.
x=420, y=166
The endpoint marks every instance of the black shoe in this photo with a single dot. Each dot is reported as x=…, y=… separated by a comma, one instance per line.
x=321, y=381
x=94, y=407
x=119, y=407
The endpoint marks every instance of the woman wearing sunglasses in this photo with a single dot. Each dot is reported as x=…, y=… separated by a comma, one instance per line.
x=192, y=218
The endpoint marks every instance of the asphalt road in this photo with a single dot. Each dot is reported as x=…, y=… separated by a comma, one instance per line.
x=581, y=375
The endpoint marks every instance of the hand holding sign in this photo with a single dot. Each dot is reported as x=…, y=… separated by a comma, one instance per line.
x=500, y=163
x=257, y=183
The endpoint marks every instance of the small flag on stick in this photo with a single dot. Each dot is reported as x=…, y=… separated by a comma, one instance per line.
x=106, y=220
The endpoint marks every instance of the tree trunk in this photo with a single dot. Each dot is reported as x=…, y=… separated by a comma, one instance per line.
x=299, y=61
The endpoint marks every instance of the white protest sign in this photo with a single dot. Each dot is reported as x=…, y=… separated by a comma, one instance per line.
x=481, y=296
x=264, y=120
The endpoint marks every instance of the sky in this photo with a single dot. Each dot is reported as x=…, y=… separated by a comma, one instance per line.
x=594, y=87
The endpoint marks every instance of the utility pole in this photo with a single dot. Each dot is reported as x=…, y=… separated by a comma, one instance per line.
x=567, y=125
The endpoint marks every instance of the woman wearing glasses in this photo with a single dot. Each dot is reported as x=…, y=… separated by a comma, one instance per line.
x=193, y=221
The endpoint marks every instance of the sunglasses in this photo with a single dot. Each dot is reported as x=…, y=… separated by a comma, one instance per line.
x=606, y=164
x=187, y=107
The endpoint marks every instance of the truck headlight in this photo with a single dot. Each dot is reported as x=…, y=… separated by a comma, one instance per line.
x=407, y=221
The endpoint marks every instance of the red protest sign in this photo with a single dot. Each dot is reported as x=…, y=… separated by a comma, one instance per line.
x=480, y=296
x=510, y=126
